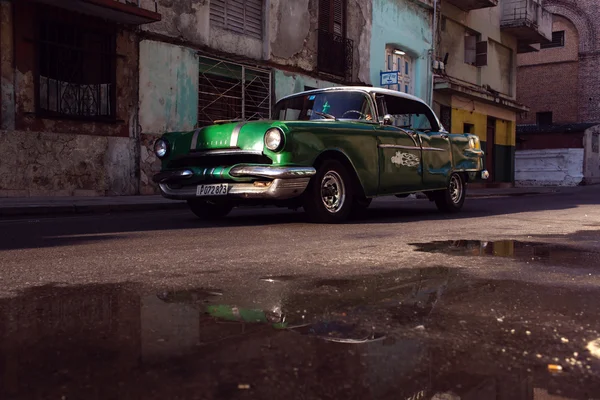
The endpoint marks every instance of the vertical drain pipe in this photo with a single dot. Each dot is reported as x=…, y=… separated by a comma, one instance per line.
x=433, y=40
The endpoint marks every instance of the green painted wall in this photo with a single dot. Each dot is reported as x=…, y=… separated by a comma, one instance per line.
x=406, y=25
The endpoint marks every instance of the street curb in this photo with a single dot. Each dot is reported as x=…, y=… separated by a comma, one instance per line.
x=87, y=209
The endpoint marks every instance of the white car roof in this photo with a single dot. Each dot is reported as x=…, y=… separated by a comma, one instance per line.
x=366, y=89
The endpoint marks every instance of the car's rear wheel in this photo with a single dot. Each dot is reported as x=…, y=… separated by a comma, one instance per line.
x=329, y=196
x=208, y=210
x=452, y=199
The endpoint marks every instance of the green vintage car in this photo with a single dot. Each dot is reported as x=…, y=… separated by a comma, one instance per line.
x=330, y=151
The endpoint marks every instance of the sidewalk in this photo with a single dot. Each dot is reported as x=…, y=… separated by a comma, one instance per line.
x=19, y=206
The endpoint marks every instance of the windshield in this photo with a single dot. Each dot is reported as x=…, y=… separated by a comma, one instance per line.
x=325, y=105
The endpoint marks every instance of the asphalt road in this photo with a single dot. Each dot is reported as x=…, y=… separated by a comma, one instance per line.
x=499, y=302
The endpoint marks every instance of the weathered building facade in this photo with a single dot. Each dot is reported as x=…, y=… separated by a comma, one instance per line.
x=86, y=89
x=401, y=44
x=475, y=71
x=560, y=84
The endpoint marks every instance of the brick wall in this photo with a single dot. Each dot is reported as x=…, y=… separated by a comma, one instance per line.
x=565, y=80
x=550, y=87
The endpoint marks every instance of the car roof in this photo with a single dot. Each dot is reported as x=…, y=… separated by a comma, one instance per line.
x=366, y=89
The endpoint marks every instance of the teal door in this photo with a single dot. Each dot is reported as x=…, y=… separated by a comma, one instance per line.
x=399, y=160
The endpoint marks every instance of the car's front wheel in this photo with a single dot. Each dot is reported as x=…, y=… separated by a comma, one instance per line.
x=329, y=197
x=453, y=198
x=208, y=210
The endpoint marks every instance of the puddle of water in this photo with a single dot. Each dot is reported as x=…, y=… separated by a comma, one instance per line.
x=529, y=252
x=419, y=332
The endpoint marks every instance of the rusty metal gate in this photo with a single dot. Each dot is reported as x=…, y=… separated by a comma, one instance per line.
x=231, y=91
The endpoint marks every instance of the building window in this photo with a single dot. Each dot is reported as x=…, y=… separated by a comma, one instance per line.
x=544, y=118
x=475, y=50
x=243, y=17
x=468, y=128
x=231, y=91
x=335, y=52
x=76, y=71
x=558, y=40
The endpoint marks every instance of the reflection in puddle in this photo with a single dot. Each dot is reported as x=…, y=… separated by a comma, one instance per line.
x=420, y=332
x=523, y=251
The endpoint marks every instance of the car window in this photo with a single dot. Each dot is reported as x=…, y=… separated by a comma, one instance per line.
x=409, y=114
x=338, y=104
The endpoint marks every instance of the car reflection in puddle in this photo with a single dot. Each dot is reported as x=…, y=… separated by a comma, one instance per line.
x=413, y=333
x=530, y=252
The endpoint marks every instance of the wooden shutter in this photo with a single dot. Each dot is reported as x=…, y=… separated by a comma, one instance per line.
x=481, y=56
x=332, y=15
x=241, y=16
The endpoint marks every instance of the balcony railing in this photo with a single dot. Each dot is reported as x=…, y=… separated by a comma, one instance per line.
x=335, y=55
x=131, y=12
x=527, y=20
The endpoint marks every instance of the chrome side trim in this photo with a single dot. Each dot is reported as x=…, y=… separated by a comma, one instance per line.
x=279, y=189
x=235, y=134
x=221, y=152
x=397, y=146
x=263, y=171
x=434, y=149
x=195, y=139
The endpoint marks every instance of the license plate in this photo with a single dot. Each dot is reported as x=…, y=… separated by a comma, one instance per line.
x=219, y=189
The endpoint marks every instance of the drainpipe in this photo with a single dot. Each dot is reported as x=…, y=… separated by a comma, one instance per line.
x=433, y=40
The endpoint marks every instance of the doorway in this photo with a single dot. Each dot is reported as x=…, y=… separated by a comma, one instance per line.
x=489, y=147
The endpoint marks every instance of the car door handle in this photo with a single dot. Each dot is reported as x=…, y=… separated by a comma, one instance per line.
x=444, y=135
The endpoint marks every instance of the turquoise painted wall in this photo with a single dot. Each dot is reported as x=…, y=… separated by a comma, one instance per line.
x=287, y=83
x=404, y=24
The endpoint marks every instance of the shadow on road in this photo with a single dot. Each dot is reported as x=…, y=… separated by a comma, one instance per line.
x=65, y=231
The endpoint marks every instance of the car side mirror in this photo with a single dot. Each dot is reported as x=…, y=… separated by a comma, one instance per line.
x=388, y=119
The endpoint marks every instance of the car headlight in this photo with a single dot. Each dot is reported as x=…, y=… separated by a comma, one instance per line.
x=161, y=148
x=274, y=139
x=474, y=143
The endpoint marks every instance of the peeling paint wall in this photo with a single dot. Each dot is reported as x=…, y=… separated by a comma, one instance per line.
x=500, y=72
x=591, y=141
x=549, y=167
x=287, y=83
x=168, y=91
x=51, y=164
x=406, y=25
x=293, y=31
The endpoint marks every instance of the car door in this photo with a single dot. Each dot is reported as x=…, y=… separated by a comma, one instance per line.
x=399, y=160
x=437, y=158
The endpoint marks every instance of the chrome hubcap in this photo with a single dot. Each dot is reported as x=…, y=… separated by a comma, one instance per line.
x=333, y=192
x=456, y=189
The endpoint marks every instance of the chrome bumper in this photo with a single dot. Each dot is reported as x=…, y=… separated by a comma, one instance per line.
x=276, y=183
x=278, y=189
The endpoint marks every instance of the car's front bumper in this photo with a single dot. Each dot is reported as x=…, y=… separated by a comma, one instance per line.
x=270, y=182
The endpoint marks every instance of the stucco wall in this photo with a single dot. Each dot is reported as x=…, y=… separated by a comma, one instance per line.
x=500, y=72
x=168, y=90
x=554, y=167
x=406, y=25
x=51, y=164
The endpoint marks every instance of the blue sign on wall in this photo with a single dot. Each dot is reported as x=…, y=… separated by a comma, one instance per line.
x=389, y=78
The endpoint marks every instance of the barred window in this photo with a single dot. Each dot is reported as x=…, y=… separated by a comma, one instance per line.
x=241, y=16
x=76, y=71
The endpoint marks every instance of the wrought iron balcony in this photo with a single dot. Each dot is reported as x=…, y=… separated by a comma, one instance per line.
x=468, y=5
x=527, y=20
x=131, y=12
x=335, y=55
